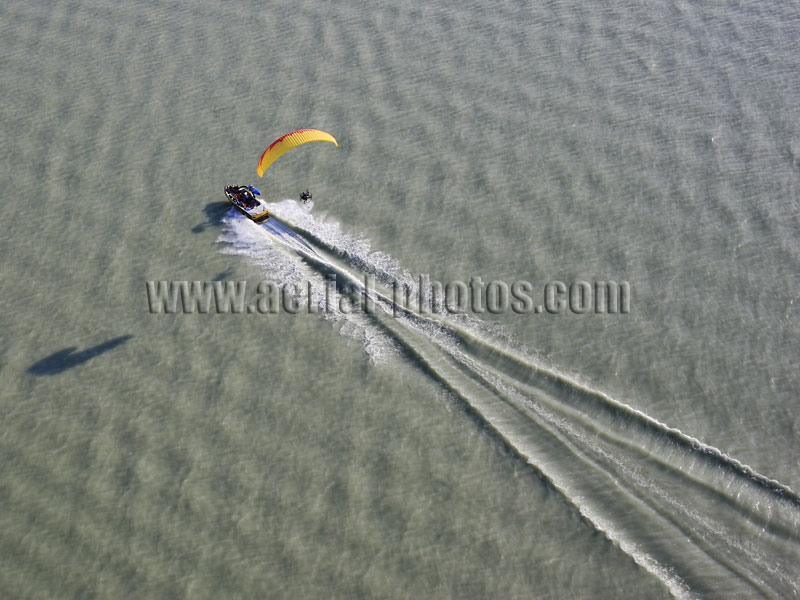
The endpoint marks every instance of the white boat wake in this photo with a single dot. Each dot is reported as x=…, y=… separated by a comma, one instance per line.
x=702, y=522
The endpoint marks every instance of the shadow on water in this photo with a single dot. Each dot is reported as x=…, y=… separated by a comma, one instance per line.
x=223, y=275
x=68, y=358
x=214, y=212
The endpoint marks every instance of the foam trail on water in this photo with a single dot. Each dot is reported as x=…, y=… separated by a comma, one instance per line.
x=277, y=250
x=705, y=524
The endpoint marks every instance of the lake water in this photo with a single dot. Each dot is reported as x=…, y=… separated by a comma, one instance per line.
x=401, y=453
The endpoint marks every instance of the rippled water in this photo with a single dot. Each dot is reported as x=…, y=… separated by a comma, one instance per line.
x=396, y=454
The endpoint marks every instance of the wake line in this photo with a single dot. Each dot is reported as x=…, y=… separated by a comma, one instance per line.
x=679, y=520
x=687, y=442
x=281, y=229
x=476, y=344
x=701, y=521
x=593, y=470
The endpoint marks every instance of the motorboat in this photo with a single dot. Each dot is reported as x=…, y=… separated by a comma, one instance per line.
x=245, y=198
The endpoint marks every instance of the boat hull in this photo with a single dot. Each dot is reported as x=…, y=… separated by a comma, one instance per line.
x=255, y=209
x=258, y=218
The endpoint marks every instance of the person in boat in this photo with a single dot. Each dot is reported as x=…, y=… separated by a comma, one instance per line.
x=242, y=196
x=248, y=198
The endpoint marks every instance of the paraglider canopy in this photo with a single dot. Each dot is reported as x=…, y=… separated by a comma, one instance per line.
x=289, y=141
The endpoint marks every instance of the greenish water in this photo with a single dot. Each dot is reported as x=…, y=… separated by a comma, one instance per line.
x=641, y=455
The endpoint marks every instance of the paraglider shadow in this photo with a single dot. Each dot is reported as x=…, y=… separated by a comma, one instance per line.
x=223, y=275
x=214, y=212
x=65, y=359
